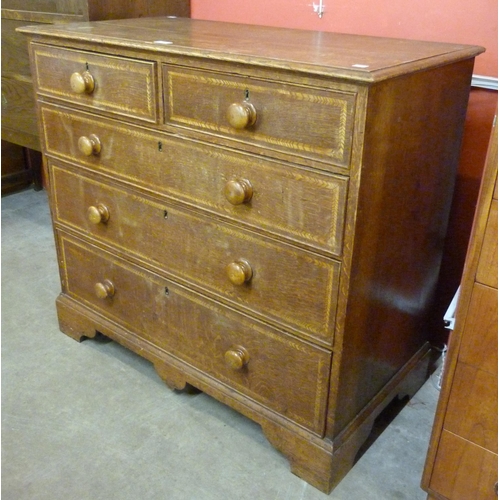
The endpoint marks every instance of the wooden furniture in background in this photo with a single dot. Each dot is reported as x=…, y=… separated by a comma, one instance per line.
x=259, y=212
x=18, y=106
x=462, y=462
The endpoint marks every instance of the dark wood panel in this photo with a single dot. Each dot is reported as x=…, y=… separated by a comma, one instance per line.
x=19, y=124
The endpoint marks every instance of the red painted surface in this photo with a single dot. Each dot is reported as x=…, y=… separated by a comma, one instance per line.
x=456, y=21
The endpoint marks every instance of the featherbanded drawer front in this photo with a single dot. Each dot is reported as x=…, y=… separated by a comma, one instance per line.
x=102, y=82
x=302, y=205
x=237, y=204
x=264, y=364
x=307, y=123
x=283, y=284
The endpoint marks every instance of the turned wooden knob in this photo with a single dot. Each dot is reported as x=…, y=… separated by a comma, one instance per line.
x=104, y=290
x=236, y=358
x=239, y=272
x=98, y=214
x=82, y=83
x=238, y=191
x=90, y=145
x=241, y=114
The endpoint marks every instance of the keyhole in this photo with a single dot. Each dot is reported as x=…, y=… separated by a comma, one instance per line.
x=167, y=292
x=247, y=94
x=165, y=214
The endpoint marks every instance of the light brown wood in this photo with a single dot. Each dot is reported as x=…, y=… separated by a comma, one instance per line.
x=238, y=191
x=464, y=470
x=241, y=114
x=82, y=83
x=285, y=200
x=98, y=214
x=285, y=263
x=487, y=269
x=237, y=357
x=462, y=461
x=90, y=145
x=104, y=290
x=239, y=272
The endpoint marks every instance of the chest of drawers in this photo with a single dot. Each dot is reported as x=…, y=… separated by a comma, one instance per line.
x=259, y=212
x=462, y=461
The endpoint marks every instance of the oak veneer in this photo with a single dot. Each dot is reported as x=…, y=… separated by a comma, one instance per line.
x=259, y=212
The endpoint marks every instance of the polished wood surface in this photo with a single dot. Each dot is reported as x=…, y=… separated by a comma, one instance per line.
x=279, y=371
x=462, y=461
x=285, y=201
x=263, y=221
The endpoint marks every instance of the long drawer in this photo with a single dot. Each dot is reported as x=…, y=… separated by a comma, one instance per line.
x=283, y=373
x=280, y=283
x=309, y=123
x=305, y=206
x=119, y=85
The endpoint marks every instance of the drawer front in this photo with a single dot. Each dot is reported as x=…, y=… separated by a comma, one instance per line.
x=285, y=374
x=464, y=470
x=309, y=123
x=126, y=87
x=473, y=407
x=479, y=345
x=306, y=207
x=279, y=283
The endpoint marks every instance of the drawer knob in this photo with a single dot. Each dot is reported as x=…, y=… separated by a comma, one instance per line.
x=238, y=191
x=90, y=145
x=239, y=272
x=82, y=83
x=98, y=214
x=241, y=114
x=104, y=290
x=236, y=358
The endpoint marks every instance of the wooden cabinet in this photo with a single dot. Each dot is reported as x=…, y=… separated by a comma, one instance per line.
x=259, y=212
x=462, y=461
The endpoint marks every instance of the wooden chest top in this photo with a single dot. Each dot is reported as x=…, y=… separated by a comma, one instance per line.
x=353, y=57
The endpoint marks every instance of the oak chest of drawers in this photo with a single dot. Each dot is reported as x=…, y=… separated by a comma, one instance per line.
x=259, y=212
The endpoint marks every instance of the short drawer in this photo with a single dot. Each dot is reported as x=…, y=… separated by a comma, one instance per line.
x=119, y=85
x=285, y=374
x=304, y=206
x=309, y=123
x=277, y=282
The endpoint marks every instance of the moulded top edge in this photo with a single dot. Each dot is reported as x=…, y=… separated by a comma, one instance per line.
x=353, y=57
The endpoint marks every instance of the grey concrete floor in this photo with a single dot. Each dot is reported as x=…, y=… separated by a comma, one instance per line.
x=93, y=421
